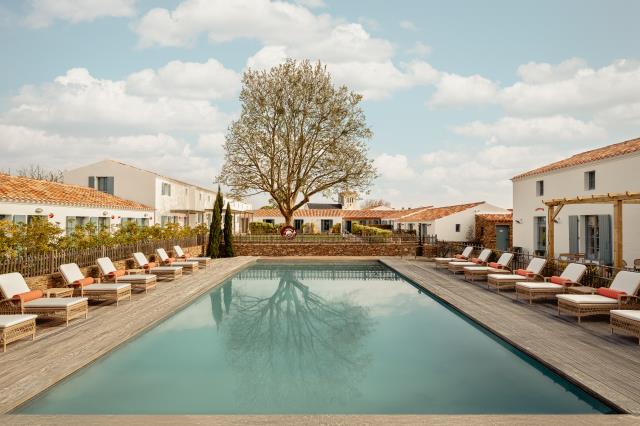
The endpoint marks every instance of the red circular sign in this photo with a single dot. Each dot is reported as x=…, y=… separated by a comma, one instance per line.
x=288, y=232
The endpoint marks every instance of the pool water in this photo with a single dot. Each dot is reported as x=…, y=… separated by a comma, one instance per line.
x=315, y=338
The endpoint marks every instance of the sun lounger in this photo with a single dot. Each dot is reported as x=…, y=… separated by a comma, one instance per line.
x=482, y=258
x=535, y=290
x=620, y=295
x=188, y=266
x=108, y=272
x=626, y=322
x=91, y=288
x=162, y=272
x=443, y=262
x=16, y=327
x=17, y=298
x=508, y=281
x=202, y=260
x=472, y=273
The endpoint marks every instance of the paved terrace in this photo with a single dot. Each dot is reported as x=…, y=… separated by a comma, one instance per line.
x=588, y=354
x=29, y=367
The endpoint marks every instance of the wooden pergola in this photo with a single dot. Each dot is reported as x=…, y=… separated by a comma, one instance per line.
x=617, y=199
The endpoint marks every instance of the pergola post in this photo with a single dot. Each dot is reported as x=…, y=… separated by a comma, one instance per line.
x=617, y=234
x=550, y=231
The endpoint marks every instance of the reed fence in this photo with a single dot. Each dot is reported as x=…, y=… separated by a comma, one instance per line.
x=44, y=263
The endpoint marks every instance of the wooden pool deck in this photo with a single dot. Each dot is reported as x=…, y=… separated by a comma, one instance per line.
x=588, y=354
x=29, y=367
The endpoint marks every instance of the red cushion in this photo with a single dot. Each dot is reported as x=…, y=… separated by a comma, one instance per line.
x=524, y=272
x=459, y=256
x=186, y=255
x=83, y=282
x=118, y=273
x=609, y=292
x=495, y=265
x=559, y=280
x=150, y=265
x=476, y=260
x=29, y=295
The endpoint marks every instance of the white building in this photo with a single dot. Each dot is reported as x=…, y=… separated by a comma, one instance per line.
x=582, y=228
x=22, y=199
x=172, y=200
x=448, y=223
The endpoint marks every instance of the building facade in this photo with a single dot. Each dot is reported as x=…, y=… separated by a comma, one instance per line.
x=23, y=199
x=494, y=231
x=584, y=229
x=172, y=200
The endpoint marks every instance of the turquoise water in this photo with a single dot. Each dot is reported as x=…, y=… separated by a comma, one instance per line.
x=315, y=338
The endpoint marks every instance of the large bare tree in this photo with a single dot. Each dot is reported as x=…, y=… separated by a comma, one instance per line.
x=297, y=135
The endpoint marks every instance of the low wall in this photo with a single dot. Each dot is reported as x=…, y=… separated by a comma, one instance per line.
x=42, y=282
x=324, y=249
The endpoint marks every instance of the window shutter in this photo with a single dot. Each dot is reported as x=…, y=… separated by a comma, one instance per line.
x=92, y=181
x=573, y=234
x=604, y=230
x=110, y=185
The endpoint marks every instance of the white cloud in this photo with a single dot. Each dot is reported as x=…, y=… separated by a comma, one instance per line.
x=408, y=25
x=394, y=167
x=419, y=49
x=312, y=4
x=457, y=90
x=189, y=80
x=533, y=131
x=44, y=12
x=79, y=104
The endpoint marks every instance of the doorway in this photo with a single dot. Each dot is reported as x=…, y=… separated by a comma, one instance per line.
x=502, y=237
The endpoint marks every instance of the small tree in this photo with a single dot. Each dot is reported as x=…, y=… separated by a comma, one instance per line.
x=228, y=232
x=297, y=135
x=215, y=231
x=373, y=203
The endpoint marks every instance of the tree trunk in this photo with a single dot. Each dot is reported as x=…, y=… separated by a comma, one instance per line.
x=288, y=220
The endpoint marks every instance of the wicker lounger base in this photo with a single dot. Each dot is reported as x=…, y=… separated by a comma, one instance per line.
x=444, y=263
x=17, y=332
x=108, y=295
x=532, y=294
x=626, y=326
x=166, y=274
x=481, y=275
x=76, y=310
x=139, y=284
x=460, y=268
x=202, y=261
x=188, y=267
x=580, y=310
x=503, y=284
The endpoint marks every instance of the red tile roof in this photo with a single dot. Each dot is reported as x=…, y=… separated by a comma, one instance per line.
x=434, y=213
x=347, y=214
x=25, y=190
x=496, y=217
x=610, y=151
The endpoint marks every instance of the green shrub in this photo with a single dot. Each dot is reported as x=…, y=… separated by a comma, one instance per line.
x=310, y=228
x=263, y=228
x=336, y=229
x=358, y=229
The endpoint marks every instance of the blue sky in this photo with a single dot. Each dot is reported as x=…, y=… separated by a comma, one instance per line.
x=461, y=95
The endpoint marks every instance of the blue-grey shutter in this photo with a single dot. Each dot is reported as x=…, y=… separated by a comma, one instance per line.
x=110, y=185
x=574, y=246
x=604, y=229
x=92, y=182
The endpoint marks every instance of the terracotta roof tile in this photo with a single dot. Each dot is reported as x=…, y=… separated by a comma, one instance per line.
x=434, y=213
x=347, y=214
x=25, y=190
x=496, y=217
x=610, y=151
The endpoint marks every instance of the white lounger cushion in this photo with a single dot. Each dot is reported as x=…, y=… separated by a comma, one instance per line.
x=71, y=272
x=536, y=264
x=198, y=258
x=476, y=268
x=539, y=285
x=10, y=320
x=626, y=281
x=105, y=287
x=462, y=264
x=136, y=278
x=54, y=302
x=162, y=254
x=12, y=284
x=505, y=277
x=574, y=272
x=178, y=251
x=505, y=259
x=588, y=299
x=627, y=313
x=140, y=259
x=195, y=262
x=106, y=265
x=467, y=251
x=165, y=268
x=444, y=259
x=484, y=255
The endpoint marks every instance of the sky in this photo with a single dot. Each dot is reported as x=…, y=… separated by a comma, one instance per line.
x=460, y=95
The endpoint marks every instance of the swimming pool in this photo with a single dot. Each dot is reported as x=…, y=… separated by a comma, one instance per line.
x=315, y=338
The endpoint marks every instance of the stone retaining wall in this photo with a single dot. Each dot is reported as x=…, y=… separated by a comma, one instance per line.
x=42, y=282
x=325, y=249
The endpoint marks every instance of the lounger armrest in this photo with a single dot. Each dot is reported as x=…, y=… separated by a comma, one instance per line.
x=536, y=277
x=627, y=298
x=10, y=306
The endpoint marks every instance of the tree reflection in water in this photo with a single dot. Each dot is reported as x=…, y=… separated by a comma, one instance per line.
x=293, y=346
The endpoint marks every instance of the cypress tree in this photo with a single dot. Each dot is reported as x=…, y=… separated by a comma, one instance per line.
x=215, y=232
x=220, y=200
x=228, y=232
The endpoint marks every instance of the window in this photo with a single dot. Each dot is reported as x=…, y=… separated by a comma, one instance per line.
x=590, y=180
x=105, y=184
x=166, y=188
x=268, y=221
x=297, y=224
x=186, y=191
x=19, y=218
x=200, y=196
x=34, y=218
x=326, y=225
x=598, y=239
x=164, y=220
x=6, y=217
x=540, y=234
x=103, y=223
x=457, y=227
x=539, y=188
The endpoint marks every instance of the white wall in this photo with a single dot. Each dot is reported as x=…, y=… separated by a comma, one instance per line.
x=614, y=175
x=315, y=220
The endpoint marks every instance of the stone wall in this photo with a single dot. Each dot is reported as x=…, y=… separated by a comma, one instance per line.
x=325, y=249
x=55, y=280
x=486, y=231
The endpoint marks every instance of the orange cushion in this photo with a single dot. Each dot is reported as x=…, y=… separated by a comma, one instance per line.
x=459, y=256
x=495, y=265
x=118, y=273
x=150, y=265
x=186, y=255
x=476, y=260
x=524, y=272
x=558, y=280
x=83, y=282
x=29, y=295
x=171, y=259
x=609, y=292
